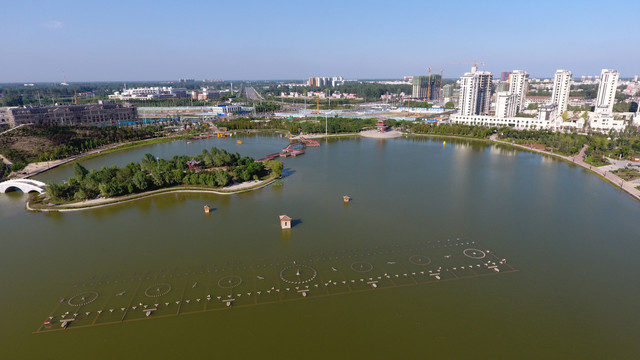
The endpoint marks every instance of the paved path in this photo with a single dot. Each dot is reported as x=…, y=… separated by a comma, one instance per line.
x=37, y=168
x=627, y=186
x=13, y=128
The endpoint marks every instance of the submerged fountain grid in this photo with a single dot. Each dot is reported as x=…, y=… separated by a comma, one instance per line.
x=101, y=301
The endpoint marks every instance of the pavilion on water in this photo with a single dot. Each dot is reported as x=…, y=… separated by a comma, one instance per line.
x=285, y=222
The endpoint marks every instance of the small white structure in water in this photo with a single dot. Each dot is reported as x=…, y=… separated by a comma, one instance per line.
x=285, y=222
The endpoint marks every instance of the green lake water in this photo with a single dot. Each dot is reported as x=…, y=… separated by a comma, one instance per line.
x=570, y=287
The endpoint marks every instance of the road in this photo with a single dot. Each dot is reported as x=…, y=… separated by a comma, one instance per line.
x=252, y=94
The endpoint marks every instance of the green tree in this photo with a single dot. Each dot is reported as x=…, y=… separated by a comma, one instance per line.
x=80, y=171
x=80, y=195
x=140, y=181
x=449, y=105
x=55, y=191
x=148, y=162
x=12, y=100
x=275, y=166
x=222, y=178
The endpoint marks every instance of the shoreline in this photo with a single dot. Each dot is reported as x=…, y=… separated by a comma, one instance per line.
x=375, y=134
x=99, y=203
x=578, y=159
x=604, y=174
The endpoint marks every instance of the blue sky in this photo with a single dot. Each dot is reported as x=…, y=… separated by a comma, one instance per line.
x=166, y=40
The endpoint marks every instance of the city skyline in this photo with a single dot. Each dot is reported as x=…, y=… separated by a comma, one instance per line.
x=160, y=41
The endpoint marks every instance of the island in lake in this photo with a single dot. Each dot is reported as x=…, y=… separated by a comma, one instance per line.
x=213, y=170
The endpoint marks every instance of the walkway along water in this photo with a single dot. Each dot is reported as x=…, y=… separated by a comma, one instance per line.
x=579, y=160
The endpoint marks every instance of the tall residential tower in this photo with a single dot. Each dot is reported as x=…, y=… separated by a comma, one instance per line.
x=475, y=92
x=561, y=88
x=518, y=86
x=607, y=91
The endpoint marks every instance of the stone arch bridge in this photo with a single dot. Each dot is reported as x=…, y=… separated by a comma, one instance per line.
x=24, y=185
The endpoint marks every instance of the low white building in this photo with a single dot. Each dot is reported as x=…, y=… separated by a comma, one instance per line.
x=606, y=123
x=514, y=122
x=149, y=93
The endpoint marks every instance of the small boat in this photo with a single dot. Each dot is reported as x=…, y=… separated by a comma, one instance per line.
x=206, y=209
x=346, y=198
x=239, y=142
x=188, y=142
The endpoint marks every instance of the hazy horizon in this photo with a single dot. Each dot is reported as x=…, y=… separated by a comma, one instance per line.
x=289, y=40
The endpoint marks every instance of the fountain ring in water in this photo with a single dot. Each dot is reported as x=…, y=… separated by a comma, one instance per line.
x=420, y=260
x=83, y=298
x=298, y=274
x=474, y=253
x=229, y=282
x=361, y=266
x=157, y=290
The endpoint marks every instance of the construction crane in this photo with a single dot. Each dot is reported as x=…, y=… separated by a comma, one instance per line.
x=475, y=63
x=429, y=82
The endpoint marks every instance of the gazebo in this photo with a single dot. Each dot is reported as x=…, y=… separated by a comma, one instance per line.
x=285, y=222
x=193, y=164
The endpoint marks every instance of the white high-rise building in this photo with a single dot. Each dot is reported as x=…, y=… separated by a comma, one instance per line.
x=475, y=92
x=561, y=88
x=506, y=104
x=518, y=85
x=607, y=91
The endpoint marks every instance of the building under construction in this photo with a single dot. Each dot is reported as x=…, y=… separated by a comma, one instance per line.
x=427, y=87
x=100, y=113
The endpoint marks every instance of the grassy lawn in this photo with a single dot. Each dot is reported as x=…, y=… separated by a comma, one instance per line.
x=596, y=161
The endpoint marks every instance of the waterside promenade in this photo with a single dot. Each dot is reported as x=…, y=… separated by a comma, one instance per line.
x=604, y=171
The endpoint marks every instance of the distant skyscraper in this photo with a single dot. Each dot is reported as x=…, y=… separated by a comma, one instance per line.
x=475, y=92
x=607, y=91
x=504, y=76
x=561, y=88
x=519, y=83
